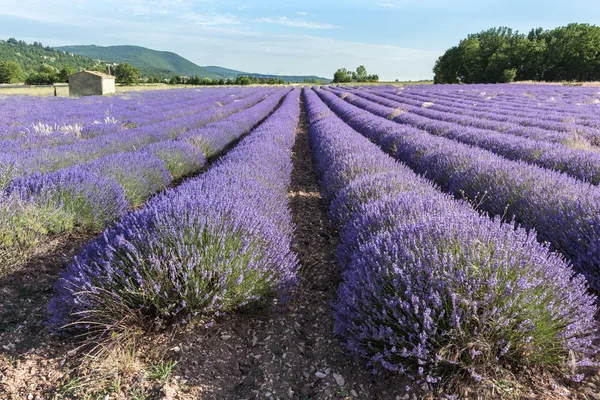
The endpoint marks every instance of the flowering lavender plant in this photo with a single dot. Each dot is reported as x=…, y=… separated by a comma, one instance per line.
x=207, y=247
x=431, y=287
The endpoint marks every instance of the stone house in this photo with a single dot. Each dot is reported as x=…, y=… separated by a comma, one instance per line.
x=89, y=83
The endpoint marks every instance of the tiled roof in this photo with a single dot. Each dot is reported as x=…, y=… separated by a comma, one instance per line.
x=100, y=74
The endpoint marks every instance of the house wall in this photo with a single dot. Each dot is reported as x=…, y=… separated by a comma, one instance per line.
x=90, y=85
x=108, y=86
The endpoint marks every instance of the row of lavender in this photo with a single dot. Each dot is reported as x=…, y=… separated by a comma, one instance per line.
x=563, y=211
x=529, y=127
x=561, y=104
x=26, y=116
x=211, y=245
x=579, y=163
x=102, y=139
x=430, y=287
x=90, y=195
x=511, y=112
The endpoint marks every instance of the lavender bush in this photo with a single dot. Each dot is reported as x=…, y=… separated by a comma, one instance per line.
x=430, y=287
x=141, y=169
x=180, y=158
x=86, y=200
x=212, y=245
x=563, y=211
x=140, y=174
x=579, y=163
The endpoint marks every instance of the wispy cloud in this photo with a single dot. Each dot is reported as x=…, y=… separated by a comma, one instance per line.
x=302, y=13
x=211, y=19
x=388, y=5
x=296, y=23
x=157, y=7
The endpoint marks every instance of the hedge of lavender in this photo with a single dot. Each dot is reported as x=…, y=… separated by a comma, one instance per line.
x=140, y=174
x=579, y=163
x=529, y=126
x=215, y=243
x=430, y=287
x=561, y=109
x=564, y=211
x=129, y=137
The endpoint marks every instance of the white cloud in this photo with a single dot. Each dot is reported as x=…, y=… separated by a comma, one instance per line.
x=157, y=7
x=296, y=23
x=210, y=19
x=302, y=13
x=388, y=5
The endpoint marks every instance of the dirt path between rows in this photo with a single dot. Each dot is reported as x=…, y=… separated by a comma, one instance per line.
x=292, y=354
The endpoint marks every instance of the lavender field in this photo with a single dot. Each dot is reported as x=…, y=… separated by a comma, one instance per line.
x=316, y=242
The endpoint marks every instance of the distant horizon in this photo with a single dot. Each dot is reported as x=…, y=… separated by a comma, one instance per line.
x=396, y=39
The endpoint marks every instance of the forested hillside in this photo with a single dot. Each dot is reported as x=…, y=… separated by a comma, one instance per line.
x=149, y=62
x=32, y=56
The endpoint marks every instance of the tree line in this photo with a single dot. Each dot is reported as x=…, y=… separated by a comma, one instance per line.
x=496, y=55
x=11, y=72
x=343, y=75
x=239, y=80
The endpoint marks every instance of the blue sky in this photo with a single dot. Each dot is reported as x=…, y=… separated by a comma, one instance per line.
x=398, y=39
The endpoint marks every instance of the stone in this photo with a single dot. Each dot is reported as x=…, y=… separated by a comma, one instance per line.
x=339, y=379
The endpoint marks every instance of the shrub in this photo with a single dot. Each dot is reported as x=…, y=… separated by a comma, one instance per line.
x=180, y=158
x=212, y=245
x=430, y=287
x=140, y=174
x=85, y=200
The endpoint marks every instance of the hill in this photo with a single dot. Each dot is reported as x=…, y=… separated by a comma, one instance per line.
x=149, y=62
x=32, y=56
x=232, y=73
x=165, y=63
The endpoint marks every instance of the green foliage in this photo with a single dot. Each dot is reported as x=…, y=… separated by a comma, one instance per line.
x=10, y=72
x=162, y=370
x=502, y=55
x=127, y=74
x=31, y=56
x=361, y=73
x=24, y=224
x=63, y=74
x=41, y=78
x=509, y=75
x=343, y=75
x=239, y=80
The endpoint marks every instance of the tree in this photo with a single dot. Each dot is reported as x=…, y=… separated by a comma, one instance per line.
x=361, y=74
x=342, y=75
x=570, y=52
x=46, y=75
x=10, y=72
x=127, y=74
x=41, y=78
x=47, y=69
x=63, y=74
